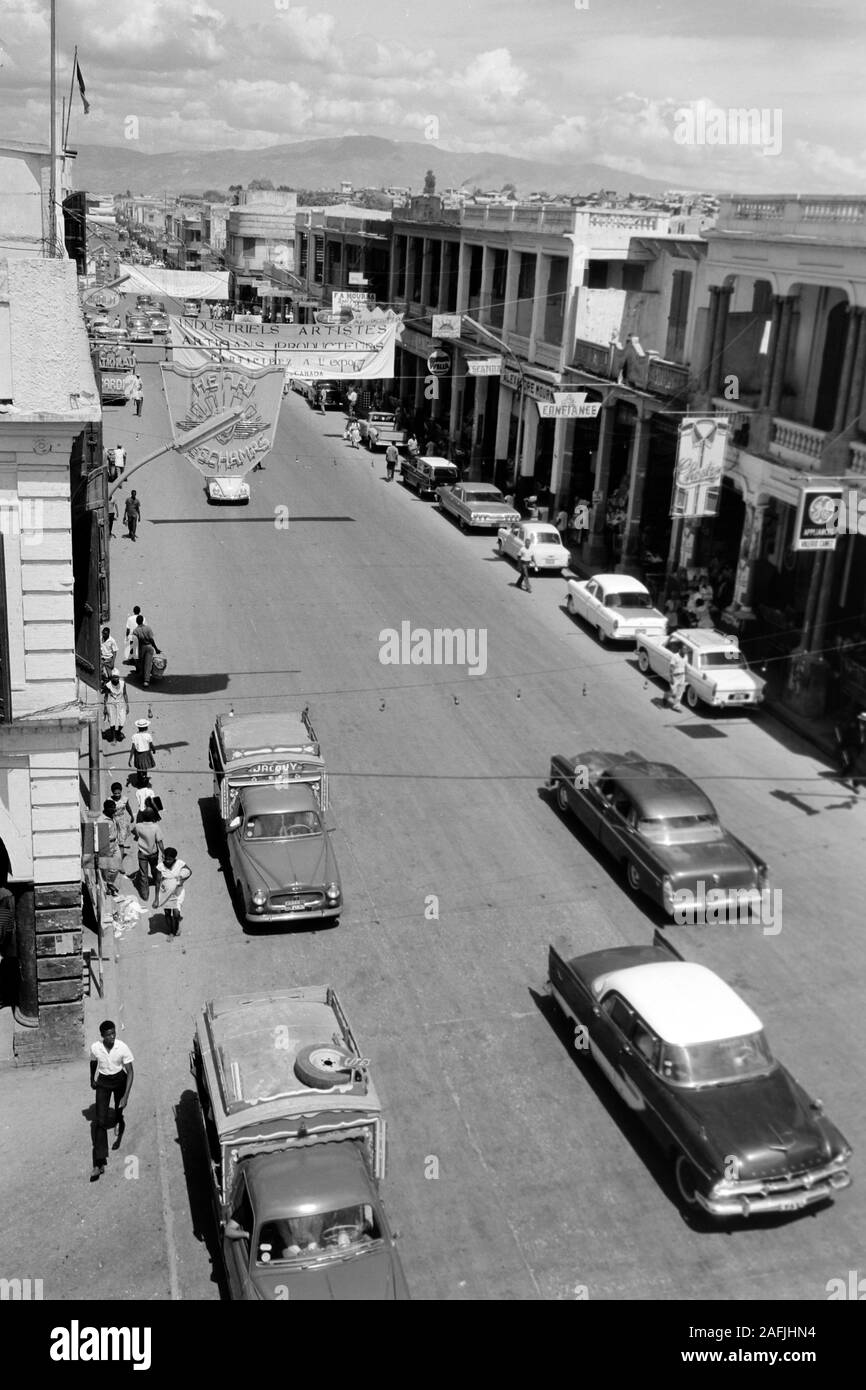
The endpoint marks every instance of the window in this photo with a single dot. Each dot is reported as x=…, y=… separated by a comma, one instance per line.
x=243, y=1211
x=597, y=275
x=525, y=294
x=417, y=267
x=476, y=264
x=496, y=307
x=632, y=276
x=554, y=312
x=618, y=1012
x=678, y=314
x=319, y=267
x=645, y=1043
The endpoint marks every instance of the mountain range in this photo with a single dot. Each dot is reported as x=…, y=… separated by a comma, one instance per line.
x=368, y=161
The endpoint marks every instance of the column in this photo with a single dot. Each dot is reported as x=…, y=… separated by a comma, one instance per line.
x=819, y=634
x=858, y=375
x=772, y=349
x=840, y=417
x=526, y=463
x=462, y=276
x=781, y=362
x=718, y=352
x=638, y=464
x=486, y=283
x=596, y=548
x=410, y=266
x=442, y=287
x=539, y=304
x=704, y=379
x=509, y=313
x=425, y=272
x=750, y=545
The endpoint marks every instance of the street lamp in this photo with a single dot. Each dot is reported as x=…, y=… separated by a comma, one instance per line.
x=464, y=318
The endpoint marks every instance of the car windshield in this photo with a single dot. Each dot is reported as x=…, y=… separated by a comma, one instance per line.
x=681, y=830
x=470, y=496
x=282, y=825
x=340, y=1232
x=631, y=600
x=546, y=535
x=730, y=657
x=717, y=1063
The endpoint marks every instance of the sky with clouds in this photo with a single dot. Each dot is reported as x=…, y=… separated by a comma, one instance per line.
x=570, y=81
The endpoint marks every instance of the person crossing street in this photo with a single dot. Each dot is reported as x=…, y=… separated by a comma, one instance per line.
x=132, y=513
x=523, y=561
x=391, y=460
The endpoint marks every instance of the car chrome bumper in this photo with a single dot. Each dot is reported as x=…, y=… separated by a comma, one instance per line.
x=793, y=1198
x=722, y=698
x=313, y=914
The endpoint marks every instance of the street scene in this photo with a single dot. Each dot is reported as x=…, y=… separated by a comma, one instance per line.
x=432, y=724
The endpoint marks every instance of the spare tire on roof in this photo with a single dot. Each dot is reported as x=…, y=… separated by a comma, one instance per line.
x=323, y=1066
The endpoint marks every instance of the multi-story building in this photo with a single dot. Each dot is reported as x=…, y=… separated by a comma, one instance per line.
x=344, y=249
x=260, y=236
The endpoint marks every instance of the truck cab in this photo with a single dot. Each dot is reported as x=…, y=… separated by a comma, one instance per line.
x=296, y=1144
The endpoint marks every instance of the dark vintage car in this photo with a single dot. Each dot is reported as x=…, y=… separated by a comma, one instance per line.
x=281, y=858
x=691, y=1061
x=660, y=828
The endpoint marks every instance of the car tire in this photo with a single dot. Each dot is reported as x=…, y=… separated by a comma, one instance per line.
x=632, y=874
x=569, y=605
x=499, y=546
x=602, y=636
x=462, y=523
x=687, y=1180
x=692, y=697
x=643, y=663
x=562, y=797
x=323, y=1066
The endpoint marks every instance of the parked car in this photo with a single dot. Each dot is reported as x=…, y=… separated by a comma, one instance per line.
x=191, y=308
x=693, y=1064
x=281, y=856
x=379, y=429
x=427, y=474
x=544, y=541
x=476, y=504
x=230, y=490
x=107, y=333
x=717, y=673
x=138, y=328
x=320, y=393
x=159, y=325
x=619, y=607
x=662, y=831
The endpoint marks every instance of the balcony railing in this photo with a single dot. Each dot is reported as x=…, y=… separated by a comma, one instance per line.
x=797, y=444
x=591, y=357
x=667, y=378
x=806, y=216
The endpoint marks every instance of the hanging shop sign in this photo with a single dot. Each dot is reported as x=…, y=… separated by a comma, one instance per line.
x=569, y=405
x=446, y=325
x=533, y=389
x=439, y=362
x=484, y=366
x=198, y=394
x=818, y=515
x=699, y=467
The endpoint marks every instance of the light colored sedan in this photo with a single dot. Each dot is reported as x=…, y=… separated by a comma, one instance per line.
x=717, y=673
x=476, y=505
x=617, y=606
x=544, y=541
x=228, y=490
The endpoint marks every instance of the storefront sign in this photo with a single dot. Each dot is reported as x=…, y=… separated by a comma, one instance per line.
x=349, y=299
x=360, y=351
x=700, y=465
x=197, y=394
x=817, y=524
x=485, y=366
x=439, y=362
x=446, y=325
x=533, y=389
x=569, y=405
x=357, y=277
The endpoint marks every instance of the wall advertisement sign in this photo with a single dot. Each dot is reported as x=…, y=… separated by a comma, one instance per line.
x=699, y=467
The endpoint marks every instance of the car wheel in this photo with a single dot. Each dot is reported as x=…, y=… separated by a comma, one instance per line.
x=569, y=605
x=602, y=636
x=323, y=1066
x=692, y=699
x=462, y=523
x=632, y=873
x=643, y=661
x=687, y=1181
x=562, y=796
x=499, y=545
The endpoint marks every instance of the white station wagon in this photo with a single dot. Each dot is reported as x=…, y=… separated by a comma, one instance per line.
x=616, y=605
x=544, y=541
x=716, y=670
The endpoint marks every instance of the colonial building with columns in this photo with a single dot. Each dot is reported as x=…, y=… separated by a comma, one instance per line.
x=779, y=343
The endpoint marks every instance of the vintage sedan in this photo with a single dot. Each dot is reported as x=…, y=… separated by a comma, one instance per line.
x=191, y=308
x=159, y=325
x=545, y=545
x=661, y=830
x=717, y=673
x=476, y=504
x=691, y=1061
x=228, y=490
x=109, y=333
x=139, y=329
x=280, y=856
x=616, y=605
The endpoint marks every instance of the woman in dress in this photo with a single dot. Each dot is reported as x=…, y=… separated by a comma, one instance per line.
x=115, y=706
x=141, y=753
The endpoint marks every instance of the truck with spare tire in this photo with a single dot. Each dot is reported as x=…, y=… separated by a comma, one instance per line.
x=295, y=1138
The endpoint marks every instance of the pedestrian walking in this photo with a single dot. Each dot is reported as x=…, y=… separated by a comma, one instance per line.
x=119, y=459
x=132, y=514
x=142, y=797
x=107, y=654
x=353, y=434
x=146, y=649
x=173, y=876
x=351, y=401
x=413, y=448
x=113, y=514
x=137, y=392
x=109, y=860
x=111, y=1077
x=115, y=707
x=122, y=818
x=130, y=645
x=150, y=848
x=141, y=753
x=677, y=680
x=391, y=459
x=523, y=561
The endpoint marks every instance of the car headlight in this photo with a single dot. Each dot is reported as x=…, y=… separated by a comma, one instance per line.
x=614, y=625
x=333, y=893
x=259, y=899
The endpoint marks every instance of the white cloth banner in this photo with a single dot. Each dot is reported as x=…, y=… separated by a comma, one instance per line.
x=361, y=351
x=177, y=284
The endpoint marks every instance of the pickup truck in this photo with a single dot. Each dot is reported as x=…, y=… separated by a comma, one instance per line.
x=295, y=1139
x=379, y=429
x=272, y=789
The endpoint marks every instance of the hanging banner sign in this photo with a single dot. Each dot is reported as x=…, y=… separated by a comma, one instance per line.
x=484, y=366
x=360, y=351
x=197, y=394
x=699, y=467
x=446, y=325
x=569, y=405
x=349, y=299
x=357, y=277
x=818, y=516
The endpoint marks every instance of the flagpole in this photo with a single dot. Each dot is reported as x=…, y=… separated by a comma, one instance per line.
x=71, y=91
x=52, y=187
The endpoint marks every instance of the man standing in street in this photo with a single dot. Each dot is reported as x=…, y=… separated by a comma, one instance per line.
x=119, y=459
x=677, y=678
x=523, y=560
x=351, y=401
x=111, y=1075
x=146, y=649
x=136, y=392
x=391, y=459
x=132, y=514
x=115, y=706
x=150, y=849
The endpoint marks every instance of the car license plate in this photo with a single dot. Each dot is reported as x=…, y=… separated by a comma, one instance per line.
x=792, y=1204
x=735, y=699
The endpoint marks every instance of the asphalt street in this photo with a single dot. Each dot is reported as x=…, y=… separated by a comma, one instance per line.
x=514, y=1172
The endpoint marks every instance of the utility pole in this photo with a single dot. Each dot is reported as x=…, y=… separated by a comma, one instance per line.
x=52, y=186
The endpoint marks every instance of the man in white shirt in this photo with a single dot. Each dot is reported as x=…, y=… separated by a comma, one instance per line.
x=111, y=1075
x=119, y=459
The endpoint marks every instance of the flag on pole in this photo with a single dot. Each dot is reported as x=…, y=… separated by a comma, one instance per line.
x=81, y=87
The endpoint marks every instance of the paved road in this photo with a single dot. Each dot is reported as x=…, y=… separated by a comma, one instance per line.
x=514, y=1171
